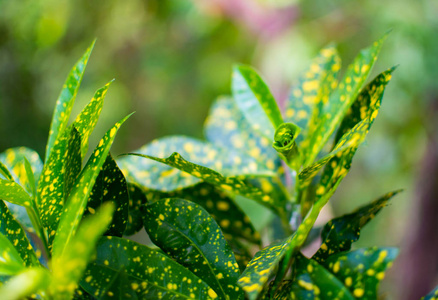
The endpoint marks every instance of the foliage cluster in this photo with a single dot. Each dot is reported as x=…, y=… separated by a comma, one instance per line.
x=63, y=229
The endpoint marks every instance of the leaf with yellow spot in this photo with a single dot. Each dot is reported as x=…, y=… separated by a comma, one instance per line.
x=111, y=186
x=226, y=127
x=5, y=172
x=87, y=119
x=342, y=98
x=26, y=284
x=338, y=234
x=228, y=184
x=12, y=192
x=307, y=97
x=65, y=101
x=362, y=270
x=433, y=295
x=11, y=229
x=255, y=101
x=11, y=262
x=151, y=274
x=219, y=205
x=119, y=287
x=78, y=197
x=68, y=267
x=188, y=234
x=137, y=200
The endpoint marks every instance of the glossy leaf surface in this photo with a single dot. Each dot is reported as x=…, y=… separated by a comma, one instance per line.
x=12, y=192
x=255, y=101
x=151, y=274
x=66, y=99
x=137, y=200
x=187, y=233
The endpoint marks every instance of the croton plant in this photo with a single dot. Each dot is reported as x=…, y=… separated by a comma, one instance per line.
x=64, y=226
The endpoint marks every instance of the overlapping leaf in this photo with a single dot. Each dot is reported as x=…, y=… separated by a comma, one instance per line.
x=222, y=208
x=11, y=262
x=77, y=200
x=362, y=270
x=26, y=284
x=338, y=234
x=150, y=273
x=137, y=200
x=187, y=233
x=255, y=101
x=65, y=101
x=111, y=186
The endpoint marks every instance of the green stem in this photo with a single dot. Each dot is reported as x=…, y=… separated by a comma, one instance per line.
x=36, y=222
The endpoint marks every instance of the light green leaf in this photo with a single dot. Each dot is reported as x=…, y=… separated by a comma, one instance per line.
x=77, y=200
x=187, y=233
x=12, y=192
x=151, y=274
x=5, y=172
x=25, y=284
x=343, y=97
x=255, y=101
x=87, y=119
x=11, y=262
x=340, y=233
x=362, y=270
x=66, y=99
x=69, y=267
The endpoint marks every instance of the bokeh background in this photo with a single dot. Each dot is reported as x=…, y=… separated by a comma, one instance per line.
x=172, y=58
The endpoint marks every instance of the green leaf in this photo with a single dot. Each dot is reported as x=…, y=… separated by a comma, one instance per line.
x=343, y=97
x=137, y=200
x=87, y=119
x=338, y=234
x=228, y=184
x=57, y=178
x=312, y=90
x=5, y=172
x=11, y=262
x=226, y=127
x=187, y=233
x=362, y=270
x=14, y=193
x=255, y=101
x=222, y=208
x=151, y=274
x=156, y=176
x=66, y=100
x=11, y=229
x=77, y=200
x=119, y=287
x=70, y=266
x=25, y=284
x=111, y=186
x=367, y=103
x=433, y=295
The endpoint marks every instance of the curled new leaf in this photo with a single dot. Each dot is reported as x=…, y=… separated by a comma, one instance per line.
x=284, y=142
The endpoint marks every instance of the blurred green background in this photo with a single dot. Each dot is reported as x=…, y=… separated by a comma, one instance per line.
x=172, y=58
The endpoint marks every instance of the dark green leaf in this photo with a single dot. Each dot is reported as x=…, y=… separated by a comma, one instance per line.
x=65, y=101
x=340, y=233
x=111, y=186
x=187, y=233
x=362, y=270
x=222, y=208
x=151, y=275
x=119, y=287
x=137, y=200
x=11, y=262
x=87, y=119
x=77, y=200
x=255, y=101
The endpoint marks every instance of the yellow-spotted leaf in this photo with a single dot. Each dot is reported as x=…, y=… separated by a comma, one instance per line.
x=226, y=127
x=367, y=103
x=313, y=89
x=5, y=172
x=137, y=200
x=151, y=274
x=13, y=231
x=68, y=268
x=433, y=295
x=362, y=270
x=219, y=205
x=188, y=234
x=12, y=192
x=87, y=119
x=65, y=101
x=11, y=262
x=342, y=98
x=111, y=187
x=338, y=234
x=228, y=184
x=57, y=178
x=26, y=284
x=255, y=101
x=78, y=197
